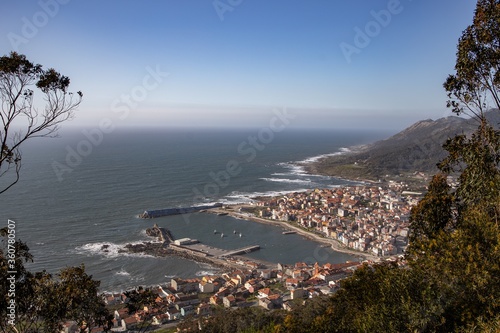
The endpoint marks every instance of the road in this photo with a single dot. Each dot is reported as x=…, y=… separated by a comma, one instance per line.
x=234, y=211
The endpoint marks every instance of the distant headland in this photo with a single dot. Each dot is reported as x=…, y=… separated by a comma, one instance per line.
x=407, y=156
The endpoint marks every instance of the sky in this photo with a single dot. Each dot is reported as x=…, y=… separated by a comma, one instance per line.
x=376, y=64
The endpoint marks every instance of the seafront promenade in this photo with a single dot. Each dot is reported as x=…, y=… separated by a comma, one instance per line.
x=368, y=222
x=236, y=212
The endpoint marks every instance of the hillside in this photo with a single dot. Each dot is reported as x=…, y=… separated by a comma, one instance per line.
x=417, y=148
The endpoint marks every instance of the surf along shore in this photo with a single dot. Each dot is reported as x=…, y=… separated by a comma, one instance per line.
x=238, y=211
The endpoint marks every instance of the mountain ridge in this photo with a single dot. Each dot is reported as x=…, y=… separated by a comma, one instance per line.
x=417, y=148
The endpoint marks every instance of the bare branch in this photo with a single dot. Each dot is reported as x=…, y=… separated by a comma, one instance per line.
x=20, y=81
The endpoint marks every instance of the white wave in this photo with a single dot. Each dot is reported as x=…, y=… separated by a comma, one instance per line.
x=203, y=273
x=283, y=174
x=233, y=198
x=109, y=250
x=287, y=180
x=314, y=159
x=122, y=272
x=271, y=193
x=40, y=243
x=294, y=169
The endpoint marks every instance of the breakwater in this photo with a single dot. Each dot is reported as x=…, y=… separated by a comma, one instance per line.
x=149, y=214
x=164, y=235
x=194, y=250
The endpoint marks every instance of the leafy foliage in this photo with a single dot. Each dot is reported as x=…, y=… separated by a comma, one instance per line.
x=434, y=212
x=476, y=81
x=25, y=113
x=138, y=299
x=42, y=302
x=477, y=159
x=239, y=320
x=451, y=279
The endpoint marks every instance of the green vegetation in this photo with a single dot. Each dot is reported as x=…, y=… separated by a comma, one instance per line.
x=22, y=118
x=342, y=167
x=166, y=330
x=238, y=320
x=450, y=278
x=449, y=281
x=42, y=301
x=37, y=302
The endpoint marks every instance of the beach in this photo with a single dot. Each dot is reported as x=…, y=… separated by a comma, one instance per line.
x=236, y=212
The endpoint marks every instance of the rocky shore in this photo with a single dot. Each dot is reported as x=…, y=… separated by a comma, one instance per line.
x=164, y=249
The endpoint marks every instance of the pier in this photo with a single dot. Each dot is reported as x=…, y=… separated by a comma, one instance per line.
x=149, y=214
x=211, y=251
x=199, y=251
x=244, y=250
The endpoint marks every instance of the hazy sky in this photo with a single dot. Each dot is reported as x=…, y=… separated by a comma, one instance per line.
x=232, y=62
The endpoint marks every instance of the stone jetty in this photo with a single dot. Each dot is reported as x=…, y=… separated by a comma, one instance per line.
x=193, y=249
x=149, y=214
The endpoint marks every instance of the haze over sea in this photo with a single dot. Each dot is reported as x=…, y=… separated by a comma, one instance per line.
x=66, y=222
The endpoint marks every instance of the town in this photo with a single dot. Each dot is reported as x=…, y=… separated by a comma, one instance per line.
x=372, y=219
x=284, y=287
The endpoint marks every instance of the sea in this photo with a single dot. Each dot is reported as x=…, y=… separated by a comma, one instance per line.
x=85, y=189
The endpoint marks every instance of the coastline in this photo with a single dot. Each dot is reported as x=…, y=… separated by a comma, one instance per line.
x=233, y=211
x=236, y=262
x=340, y=166
x=162, y=249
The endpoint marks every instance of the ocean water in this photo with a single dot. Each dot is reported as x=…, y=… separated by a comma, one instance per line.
x=66, y=208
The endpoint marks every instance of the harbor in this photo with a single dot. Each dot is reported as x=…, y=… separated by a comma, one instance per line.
x=221, y=256
x=203, y=252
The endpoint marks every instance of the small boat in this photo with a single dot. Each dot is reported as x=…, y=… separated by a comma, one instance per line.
x=241, y=234
x=221, y=235
x=234, y=232
x=215, y=231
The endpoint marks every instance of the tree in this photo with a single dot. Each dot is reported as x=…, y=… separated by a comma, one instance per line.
x=43, y=302
x=458, y=245
x=34, y=102
x=28, y=113
x=476, y=82
x=434, y=212
x=79, y=294
x=140, y=299
x=240, y=320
